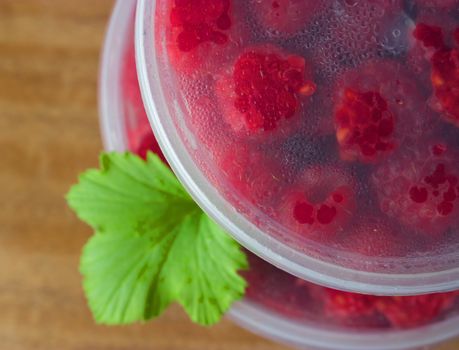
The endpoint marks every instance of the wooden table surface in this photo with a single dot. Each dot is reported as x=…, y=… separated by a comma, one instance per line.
x=49, y=52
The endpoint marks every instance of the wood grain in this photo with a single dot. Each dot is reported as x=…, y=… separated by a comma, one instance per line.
x=49, y=52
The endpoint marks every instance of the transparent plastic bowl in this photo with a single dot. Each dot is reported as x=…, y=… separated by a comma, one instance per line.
x=338, y=268
x=250, y=315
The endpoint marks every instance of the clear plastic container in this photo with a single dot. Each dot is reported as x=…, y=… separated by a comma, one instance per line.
x=122, y=120
x=230, y=171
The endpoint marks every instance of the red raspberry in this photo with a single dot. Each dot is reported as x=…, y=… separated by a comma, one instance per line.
x=198, y=30
x=420, y=187
x=321, y=202
x=378, y=106
x=200, y=21
x=346, y=305
x=433, y=30
x=263, y=90
x=365, y=125
x=414, y=311
x=435, y=35
x=286, y=16
x=445, y=81
x=250, y=174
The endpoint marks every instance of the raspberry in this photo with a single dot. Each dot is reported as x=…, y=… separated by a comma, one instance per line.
x=346, y=305
x=436, y=34
x=365, y=125
x=445, y=81
x=376, y=110
x=264, y=89
x=414, y=311
x=251, y=174
x=401, y=312
x=419, y=187
x=285, y=16
x=321, y=202
x=433, y=30
x=200, y=21
x=292, y=297
x=198, y=30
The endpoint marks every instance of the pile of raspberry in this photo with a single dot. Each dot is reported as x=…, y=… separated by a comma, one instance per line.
x=301, y=300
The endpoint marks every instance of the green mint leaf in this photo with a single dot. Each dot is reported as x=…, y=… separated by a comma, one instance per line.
x=153, y=245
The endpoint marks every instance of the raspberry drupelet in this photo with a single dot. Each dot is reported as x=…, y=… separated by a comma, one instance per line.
x=420, y=187
x=263, y=91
